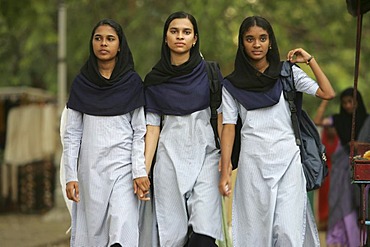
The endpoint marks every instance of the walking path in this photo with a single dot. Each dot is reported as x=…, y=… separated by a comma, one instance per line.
x=26, y=230
x=37, y=230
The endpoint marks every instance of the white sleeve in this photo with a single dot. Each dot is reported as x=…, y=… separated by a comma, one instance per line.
x=229, y=108
x=71, y=143
x=153, y=119
x=303, y=82
x=62, y=175
x=138, y=146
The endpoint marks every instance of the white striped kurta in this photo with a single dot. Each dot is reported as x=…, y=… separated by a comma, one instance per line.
x=104, y=154
x=270, y=200
x=186, y=178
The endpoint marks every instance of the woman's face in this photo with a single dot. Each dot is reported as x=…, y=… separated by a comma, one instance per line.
x=180, y=36
x=105, y=43
x=348, y=104
x=256, y=43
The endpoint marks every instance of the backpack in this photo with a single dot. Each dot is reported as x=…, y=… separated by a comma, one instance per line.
x=215, y=102
x=313, y=152
x=212, y=68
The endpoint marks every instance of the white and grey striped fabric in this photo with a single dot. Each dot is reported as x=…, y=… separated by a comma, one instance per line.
x=186, y=178
x=104, y=154
x=270, y=200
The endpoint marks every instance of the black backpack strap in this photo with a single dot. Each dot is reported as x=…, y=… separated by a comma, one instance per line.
x=215, y=95
x=290, y=94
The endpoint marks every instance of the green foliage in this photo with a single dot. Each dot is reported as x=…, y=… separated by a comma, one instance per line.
x=29, y=35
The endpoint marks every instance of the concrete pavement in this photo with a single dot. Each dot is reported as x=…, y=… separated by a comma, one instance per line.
x=30, y=230
x=37, y=230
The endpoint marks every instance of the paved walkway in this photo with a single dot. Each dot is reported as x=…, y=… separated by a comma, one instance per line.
x=26, y=230
x=37, y=230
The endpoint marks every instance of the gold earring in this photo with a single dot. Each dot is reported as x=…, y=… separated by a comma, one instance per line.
x=270, y=47
x=193, y=44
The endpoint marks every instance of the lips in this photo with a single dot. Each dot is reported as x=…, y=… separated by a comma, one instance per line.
x=257, y=52
x=103, y=51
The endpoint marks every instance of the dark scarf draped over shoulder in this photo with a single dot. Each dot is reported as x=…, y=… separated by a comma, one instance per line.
x=247, y=84
x=343, y=120
x=117, y=99
x=93, y=94
x=177, y=90
x=252, y=100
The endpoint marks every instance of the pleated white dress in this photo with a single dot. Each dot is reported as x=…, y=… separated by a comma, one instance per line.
x=104, y=154
x=186, y=178
x=270, y=205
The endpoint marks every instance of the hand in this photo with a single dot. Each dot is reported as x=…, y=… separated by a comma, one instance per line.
x=141, y=188
x=72, y=191
x=298, y=56
x=225, y=183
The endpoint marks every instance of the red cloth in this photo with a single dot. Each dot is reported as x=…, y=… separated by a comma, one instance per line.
x=331, y=141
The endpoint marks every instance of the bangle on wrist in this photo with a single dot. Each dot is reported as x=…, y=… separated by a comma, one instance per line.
x=309, y=60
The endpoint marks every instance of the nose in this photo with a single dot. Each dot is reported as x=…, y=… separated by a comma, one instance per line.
x=256, y=43
x=180, y=35
x=104, y=42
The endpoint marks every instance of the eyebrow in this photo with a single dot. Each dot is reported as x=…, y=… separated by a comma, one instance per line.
x=108, y=36
x=100, y=35
x=251, y=36
x=177, y=28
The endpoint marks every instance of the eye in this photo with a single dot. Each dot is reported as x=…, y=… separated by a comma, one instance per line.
x=97, y=38
x=187, y=32
x=111, y=39
x=172, y=31
x=264, y=38
x=249, y=39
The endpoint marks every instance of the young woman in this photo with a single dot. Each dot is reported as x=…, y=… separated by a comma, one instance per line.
x=270, y=205
x=104, y=143
x=185, y=177
x=344, y=201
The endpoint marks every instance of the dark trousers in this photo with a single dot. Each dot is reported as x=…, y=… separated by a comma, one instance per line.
x=200, y=240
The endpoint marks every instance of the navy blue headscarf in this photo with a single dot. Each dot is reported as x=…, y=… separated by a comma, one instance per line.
x=177, y=90
x=249, y=86
x=123, y=92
